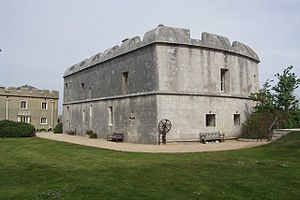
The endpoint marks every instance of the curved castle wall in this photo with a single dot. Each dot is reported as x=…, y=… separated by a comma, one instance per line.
x=169, y=75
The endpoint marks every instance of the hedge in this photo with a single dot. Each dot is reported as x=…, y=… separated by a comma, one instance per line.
x=58, y=128
x=16, y=129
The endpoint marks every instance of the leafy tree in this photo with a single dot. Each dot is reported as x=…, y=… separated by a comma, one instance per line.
x=264, y=98
x=284, y=96
x=279, y=97
x=278, y=102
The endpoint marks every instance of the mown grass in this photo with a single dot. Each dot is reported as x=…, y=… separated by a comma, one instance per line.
x=34, y=168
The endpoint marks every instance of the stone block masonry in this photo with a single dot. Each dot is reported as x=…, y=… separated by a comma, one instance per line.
x=201, y=85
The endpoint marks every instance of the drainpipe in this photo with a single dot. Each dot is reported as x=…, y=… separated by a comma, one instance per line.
x=6, y=109
x=52, y=113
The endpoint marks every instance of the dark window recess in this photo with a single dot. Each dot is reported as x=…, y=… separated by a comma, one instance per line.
x=82, y=86
x=125, y=82
x=110, y=115
x=90, y=92
x=66, y=85
x=237, y=119
x=224, y=77
x=210, y=119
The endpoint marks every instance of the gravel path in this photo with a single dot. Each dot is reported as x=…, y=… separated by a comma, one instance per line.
x=168, y=148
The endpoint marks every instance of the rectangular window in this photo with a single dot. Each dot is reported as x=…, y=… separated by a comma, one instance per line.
x=83, y=115
x=43, y=120
x=44, y=106
x=125, y=82
x=91, y=111
x=25, y=119
x=24, y=104
x=237, y=119
x=210, y=119
x=82, y=86
x=91, y=117
x=224, y=74
x=110, y=116
x=90, y=92
x=66, y=85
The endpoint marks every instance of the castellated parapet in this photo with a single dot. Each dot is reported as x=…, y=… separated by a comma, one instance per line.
x=26, y=92
x=165, y=34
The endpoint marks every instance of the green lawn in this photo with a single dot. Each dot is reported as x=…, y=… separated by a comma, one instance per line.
x=34, y=168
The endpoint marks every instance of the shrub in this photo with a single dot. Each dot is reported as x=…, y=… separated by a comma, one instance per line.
x=258, y=124
x=16, y=129
x=58, y=128
x=91, y=134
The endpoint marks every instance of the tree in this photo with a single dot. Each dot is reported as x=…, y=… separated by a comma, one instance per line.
x=264, y=98
x=284, y=96
x=277, y=102
x=279, y=97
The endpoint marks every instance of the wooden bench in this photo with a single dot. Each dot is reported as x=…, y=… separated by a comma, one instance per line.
x=71, y=132
x=213, y=136
x=115, y=137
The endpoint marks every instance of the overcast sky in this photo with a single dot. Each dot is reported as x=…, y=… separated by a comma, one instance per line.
x=41, y=38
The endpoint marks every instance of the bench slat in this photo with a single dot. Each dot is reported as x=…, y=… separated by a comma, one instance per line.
x=115, y=137
x=204, y=137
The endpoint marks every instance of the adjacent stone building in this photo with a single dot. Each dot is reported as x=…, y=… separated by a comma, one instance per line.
x=30, y=105
x=200, y=85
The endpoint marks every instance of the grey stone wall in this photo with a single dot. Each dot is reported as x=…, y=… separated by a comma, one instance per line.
x=135, y=117
x=105, y=79
x=188, y=115
x=187, y=69
x=169, y=75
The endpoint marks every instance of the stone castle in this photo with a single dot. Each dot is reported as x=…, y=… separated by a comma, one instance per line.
x=200, y=85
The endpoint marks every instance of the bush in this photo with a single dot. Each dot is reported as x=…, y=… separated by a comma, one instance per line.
x=16, y=129
x=258, y=124
x=58, y=128
x=91, y=134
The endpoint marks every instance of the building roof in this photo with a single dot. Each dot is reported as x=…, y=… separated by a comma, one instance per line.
x=165, y=34
x=29, y=87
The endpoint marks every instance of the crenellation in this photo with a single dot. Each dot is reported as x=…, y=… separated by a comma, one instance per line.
x=167, y=34
x=244, y=49
x=215, y=41
x=23, y=91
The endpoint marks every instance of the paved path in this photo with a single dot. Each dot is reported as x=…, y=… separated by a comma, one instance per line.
x=168, y=148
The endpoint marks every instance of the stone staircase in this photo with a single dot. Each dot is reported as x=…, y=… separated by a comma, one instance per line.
x=278, y=133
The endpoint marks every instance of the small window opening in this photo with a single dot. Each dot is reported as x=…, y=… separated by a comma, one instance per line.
x=210, y=120
x=91, y=110
x=83, y=115
x=237, y=119
x=90, y=92
x=44, y=106
x=82, y=86
x=43, y=120
x=223, y=77
x=66, y=85
x=125, y=82
x=110, y=116
x=24, y=104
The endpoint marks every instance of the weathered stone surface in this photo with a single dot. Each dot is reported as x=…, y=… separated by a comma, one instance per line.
x=168, y=35
x=166, y=75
